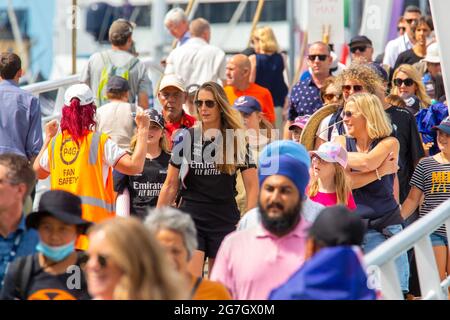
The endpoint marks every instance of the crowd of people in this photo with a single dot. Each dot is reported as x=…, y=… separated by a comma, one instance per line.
x=241, y=187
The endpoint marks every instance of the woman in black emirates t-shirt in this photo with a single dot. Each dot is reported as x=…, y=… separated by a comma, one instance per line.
x=205, y=159
x=139, y=192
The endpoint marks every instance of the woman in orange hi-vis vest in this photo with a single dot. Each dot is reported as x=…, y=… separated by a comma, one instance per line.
x=80, y=160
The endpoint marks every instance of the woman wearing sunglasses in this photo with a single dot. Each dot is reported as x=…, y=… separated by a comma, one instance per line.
x=207, y=159
x=124, y=262
x=407, y=81
x=370, y=145
x=46, y=275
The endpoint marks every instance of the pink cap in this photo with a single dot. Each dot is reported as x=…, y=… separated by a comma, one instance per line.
x=332, y=152
x=300, y=122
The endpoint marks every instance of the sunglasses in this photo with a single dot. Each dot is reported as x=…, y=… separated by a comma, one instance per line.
x=313, y=57
x=347, y=114
x=209, y=103
x=316, y=158
x=410, y=21
x=102, y=260
x=331, y=96
x=356, y=88
x=402, y=29
x=358, y=48
x=407, y=82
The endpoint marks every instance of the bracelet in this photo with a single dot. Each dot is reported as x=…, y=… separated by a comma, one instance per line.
x=378, y=175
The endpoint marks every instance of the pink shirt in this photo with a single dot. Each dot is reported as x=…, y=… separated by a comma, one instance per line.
x=252, y=262
x=330, y=199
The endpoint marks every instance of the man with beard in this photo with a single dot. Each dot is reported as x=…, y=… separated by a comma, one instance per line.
x=252, y=262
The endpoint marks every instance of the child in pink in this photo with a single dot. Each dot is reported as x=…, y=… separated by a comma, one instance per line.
x=329, y=185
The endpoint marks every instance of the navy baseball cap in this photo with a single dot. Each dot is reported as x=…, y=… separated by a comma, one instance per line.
x=156, y=117
x=247, y=104
x=444, y=126
x=379, y=70
x=359, y=40
x=116, y=83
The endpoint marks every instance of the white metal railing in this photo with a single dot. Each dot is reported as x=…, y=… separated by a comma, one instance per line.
x=416, y=236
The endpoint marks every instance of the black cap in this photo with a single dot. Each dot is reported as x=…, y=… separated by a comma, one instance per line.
x=359, y=40
x=412, y=103
x=156, y=117
x=117, y=84
x=338, y=226
x=61, y=205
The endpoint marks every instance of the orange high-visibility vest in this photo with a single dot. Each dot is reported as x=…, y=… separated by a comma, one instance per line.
x=78, y=169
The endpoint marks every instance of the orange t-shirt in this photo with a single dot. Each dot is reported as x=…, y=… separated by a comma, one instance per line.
x=210, y=290
x=261, y=94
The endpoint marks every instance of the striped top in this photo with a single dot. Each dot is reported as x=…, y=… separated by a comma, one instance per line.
x=433, y=179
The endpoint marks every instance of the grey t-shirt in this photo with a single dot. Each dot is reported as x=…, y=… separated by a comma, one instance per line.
x=138, y=78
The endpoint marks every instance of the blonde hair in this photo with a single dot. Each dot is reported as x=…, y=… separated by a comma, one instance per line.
x=267, y=41
x=377, y=121
x=343, y=188
x=147, y=272
x=162, y=142
x=412, y=73
x=230, y=119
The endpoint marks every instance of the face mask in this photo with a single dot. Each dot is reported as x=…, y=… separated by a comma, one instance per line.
x=56, y=253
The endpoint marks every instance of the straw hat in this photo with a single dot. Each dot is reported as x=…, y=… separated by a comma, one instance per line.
x=308, y=135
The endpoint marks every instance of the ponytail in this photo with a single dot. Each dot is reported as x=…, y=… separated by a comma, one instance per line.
x=78, y=120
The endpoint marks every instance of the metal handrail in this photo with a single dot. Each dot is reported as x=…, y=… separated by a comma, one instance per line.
x=414, y=236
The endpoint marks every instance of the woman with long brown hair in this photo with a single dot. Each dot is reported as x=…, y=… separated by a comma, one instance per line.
x=206, y=158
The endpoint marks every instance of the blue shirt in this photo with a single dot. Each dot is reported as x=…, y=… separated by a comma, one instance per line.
x=304, y=99
x=20, y=121
x=26, y=245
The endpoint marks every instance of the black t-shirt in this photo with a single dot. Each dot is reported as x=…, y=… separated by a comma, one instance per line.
x=406, y=57
x=45, y=286
x=411, y=149
x=144, y=188
x=201, y=181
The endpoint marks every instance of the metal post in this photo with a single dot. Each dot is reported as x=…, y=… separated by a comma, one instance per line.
x=290, y=13
x=74, y=36
x=256, y=17
x=355, y=17
x=159, y=8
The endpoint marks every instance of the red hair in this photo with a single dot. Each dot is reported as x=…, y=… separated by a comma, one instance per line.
x=78, y=120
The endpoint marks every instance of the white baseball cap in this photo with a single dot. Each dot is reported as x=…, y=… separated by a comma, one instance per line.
x=80, y=91
x=172, y=80
x=433, y=54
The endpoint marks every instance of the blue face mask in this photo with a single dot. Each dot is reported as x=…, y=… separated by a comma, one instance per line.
x=56, y=253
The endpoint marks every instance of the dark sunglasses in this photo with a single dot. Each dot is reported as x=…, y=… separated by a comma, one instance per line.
x=410, y=21
x=401, y=29
x=209, y=103
x=316, y=158
x=102, y=260
x=331, y=96
x=322, y=57
x=347, y=114
x=356, y=88
x=358, y=48
x=407, y=82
